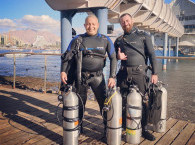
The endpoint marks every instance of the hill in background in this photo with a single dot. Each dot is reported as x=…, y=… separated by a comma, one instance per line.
x=34, y=37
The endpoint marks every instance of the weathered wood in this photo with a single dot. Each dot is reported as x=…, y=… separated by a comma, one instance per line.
x=35, y=114
x=172, y=133
x=192, y=140
x=185, y=135
x=170, y=123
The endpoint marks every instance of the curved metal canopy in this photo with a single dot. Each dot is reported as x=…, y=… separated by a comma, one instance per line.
x=151, y=15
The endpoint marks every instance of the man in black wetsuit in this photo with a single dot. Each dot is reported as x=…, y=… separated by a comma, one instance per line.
x=89, y=52
x=133, y=48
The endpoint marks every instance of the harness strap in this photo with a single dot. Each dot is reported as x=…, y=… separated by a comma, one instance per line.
x=133, y=107
x=71, y=119
x=134, y=48
x=132, y=118
x=74, y=129
x=114, y=127
x=70, y=107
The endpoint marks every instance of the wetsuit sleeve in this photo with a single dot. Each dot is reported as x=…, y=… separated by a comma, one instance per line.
x=66, y=58
x=150, y=53
x=112, y=56
x=116, y=46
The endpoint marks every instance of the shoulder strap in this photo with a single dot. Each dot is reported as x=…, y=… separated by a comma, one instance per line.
x=125, y=41
x=68, y=56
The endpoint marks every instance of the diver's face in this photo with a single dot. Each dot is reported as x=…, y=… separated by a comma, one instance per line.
x=91, y=25
x=126, y=23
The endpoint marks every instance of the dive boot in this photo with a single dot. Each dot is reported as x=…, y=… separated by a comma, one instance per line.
x=147, y=135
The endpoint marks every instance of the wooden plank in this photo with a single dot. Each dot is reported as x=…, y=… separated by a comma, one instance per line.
x=44, y=137
x=170, y=122
x=192, y=140
x=21, y=105
x=184, y=136
x=41, y=118
x=41, y=137
x=177, y=132
x=172, y=133
x=91, y=129
x=20, y=137
x=48, y=141
x=50, y=137
x=15, y=134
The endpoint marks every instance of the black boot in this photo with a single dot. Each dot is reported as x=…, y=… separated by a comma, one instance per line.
x=147, y=135
x=81, y=129
x=104, y=139
x=104, y=131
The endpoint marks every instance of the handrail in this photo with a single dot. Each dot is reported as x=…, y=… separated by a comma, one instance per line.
x=158, y=57
x=45, y=66
x=30, y=53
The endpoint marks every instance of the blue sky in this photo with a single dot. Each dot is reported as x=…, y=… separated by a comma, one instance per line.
x=34, y=14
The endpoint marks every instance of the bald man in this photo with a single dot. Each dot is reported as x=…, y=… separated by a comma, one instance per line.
x=93, y=47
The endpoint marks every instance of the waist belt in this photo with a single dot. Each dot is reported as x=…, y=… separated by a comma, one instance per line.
x=91, y=74
x=134, y=68
x=87, y=76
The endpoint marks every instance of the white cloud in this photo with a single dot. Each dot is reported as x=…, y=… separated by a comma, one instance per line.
x=7, y=23
x=42, y=23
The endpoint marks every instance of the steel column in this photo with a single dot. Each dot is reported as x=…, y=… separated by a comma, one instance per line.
x=177, y=48
x=102, y=15
x=66, y=28
x=169, y=47
x=152, y=38
x=165, y=51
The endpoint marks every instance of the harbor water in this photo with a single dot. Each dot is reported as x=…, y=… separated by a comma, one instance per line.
x=179, y=79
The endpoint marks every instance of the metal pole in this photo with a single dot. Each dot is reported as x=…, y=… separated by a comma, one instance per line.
x=152, y=38
x=45, y=78
x=102, y=15
x=177, y=48
x=165, y=51
x=169, y=47
x=14, y=81
x=66, y=28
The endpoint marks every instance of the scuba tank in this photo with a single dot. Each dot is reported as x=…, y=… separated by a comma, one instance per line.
x=158, y=111
x=113, y=108
x=70, y=117
x=133, y=116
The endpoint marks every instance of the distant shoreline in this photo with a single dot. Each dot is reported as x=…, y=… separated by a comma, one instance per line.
x=28, y=48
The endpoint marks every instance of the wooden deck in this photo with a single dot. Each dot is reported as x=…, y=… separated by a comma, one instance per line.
x=30, y=118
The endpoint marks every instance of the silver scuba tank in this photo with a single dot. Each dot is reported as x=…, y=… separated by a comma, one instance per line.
x=160, y=126
x=113, y=107
x=133, y=116
x=70, y=117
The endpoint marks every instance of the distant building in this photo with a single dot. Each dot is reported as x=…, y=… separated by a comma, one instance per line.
x=185, y=12
x=40, y=42
x=4, y=40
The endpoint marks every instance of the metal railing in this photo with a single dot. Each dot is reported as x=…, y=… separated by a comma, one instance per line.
x=45, y=64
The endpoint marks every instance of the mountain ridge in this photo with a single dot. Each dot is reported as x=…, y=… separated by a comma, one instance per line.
x=29, y=36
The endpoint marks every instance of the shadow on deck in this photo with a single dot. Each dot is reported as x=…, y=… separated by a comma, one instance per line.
x=30, y=118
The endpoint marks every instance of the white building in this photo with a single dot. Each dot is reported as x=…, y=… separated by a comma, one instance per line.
x=40, y=42
x=185, y=12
